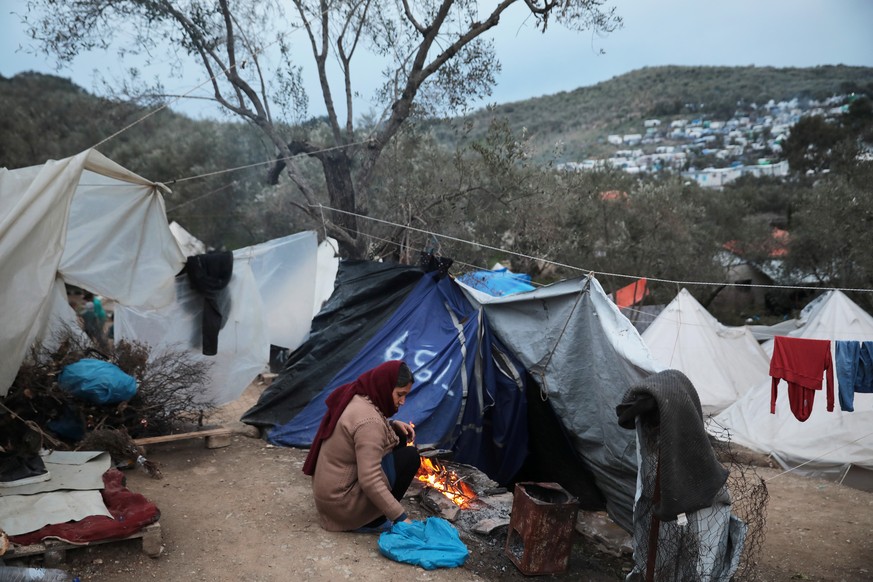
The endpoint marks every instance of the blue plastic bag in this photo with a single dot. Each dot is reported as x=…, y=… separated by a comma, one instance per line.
x=97, y=381
x=433, y=543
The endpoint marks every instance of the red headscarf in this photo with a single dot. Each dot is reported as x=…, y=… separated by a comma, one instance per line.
x=377, y=384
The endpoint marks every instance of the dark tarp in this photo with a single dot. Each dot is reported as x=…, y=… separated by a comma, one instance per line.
x=366, y=293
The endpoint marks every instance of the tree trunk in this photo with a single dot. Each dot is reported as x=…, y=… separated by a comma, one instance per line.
x=341, y=192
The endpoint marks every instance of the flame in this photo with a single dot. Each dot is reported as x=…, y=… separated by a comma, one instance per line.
x=435, y=475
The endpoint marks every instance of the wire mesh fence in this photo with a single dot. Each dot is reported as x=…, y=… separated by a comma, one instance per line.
x=721, y=542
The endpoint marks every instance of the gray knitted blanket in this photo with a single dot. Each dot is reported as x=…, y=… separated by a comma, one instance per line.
x=690, y=474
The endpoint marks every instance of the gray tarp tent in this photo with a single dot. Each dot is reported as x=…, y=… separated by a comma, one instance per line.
x=584, y=354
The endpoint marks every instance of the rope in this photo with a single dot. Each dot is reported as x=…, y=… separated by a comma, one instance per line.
x=584, y=270
x=267, y=162
x=819, y=457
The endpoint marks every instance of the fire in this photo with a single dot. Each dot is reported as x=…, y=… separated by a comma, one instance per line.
x=435, y=475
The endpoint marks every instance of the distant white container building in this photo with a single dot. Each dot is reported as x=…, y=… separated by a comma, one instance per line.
x=719, y=177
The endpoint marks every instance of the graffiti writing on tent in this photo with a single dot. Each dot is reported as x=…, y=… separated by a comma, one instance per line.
x=420, y=359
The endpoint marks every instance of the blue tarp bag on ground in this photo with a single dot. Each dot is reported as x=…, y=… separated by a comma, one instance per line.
x=97, y=381
x=433, y=543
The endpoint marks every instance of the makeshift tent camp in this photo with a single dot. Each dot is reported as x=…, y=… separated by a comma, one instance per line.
x=829, y=442
x=471, y=354
x=85, y=221
x=271, y=297
x=722, y=362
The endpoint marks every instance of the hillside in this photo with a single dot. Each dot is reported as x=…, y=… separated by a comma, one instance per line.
x=581, y=119
x=45, y=112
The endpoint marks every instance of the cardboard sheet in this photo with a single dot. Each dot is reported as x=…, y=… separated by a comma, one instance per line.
x=20, y=514
x=76, y=470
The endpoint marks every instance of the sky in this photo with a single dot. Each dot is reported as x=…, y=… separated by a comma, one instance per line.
x=778, y=33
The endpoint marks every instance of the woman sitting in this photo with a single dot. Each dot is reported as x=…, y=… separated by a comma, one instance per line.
x=359, y=460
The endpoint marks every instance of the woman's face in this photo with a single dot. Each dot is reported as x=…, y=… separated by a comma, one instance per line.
x=399, y=395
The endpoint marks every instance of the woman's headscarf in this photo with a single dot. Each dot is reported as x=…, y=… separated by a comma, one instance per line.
x=377, y=384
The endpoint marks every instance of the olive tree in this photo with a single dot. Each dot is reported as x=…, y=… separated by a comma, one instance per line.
x=436, y=53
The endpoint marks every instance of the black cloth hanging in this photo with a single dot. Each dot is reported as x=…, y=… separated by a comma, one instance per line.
x=209, y=275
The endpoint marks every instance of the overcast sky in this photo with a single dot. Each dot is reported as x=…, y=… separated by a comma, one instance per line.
x=779, y=33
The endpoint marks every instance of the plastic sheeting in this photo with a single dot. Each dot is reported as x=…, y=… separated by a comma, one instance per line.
x=836, y=440
x=326, y=271
x=366, y=295
x=432, y=543
x=284, y=270
x=189, y=243
x=722, y=362
x=584, y=354
x=270, y=299
x=498, y=282
x=85, y=221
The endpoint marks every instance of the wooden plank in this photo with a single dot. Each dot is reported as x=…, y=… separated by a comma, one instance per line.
x=168, y=438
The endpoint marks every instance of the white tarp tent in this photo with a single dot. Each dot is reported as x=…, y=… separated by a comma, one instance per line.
x=85, y=221
x=722, y=362
x=272, y=292
x=831, y=441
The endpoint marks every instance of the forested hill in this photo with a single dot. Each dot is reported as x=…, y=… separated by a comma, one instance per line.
x=54, y=110
x=580, y=120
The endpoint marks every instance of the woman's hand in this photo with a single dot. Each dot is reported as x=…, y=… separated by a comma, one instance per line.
x=405, y=429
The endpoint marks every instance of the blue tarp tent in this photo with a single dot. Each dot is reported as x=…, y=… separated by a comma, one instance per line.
x=469, y=393
x=496, y=376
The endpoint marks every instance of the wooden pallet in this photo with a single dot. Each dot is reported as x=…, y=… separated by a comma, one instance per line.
x=54, y=551
x=215, y=438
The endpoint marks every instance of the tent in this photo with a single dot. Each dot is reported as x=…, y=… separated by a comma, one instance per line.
x=481, y=364
x=830, y=443
x=189, y=243
x=631, y=294
x=272, y=294
x=83, y=221
x=583, y=355
x=721, y=362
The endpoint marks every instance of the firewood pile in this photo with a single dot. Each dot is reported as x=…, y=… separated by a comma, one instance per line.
x=38, y=413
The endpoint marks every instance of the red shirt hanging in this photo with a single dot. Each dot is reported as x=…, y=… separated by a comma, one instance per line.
x=801, y=362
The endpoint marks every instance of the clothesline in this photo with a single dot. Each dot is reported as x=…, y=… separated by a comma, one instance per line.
x=582, y=269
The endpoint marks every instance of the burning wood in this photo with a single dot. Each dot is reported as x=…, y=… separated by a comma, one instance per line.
x=435, y=475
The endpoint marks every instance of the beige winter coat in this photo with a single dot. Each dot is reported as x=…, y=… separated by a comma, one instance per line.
x=349, y=485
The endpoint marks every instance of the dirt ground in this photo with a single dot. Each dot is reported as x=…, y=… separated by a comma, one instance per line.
x=244, y=512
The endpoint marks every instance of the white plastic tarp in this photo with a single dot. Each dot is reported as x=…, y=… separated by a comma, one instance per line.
x=85, y=221
x=722, y=362
x=833, y=439
x=325, y=277
x=271, y=297
x=190, y=244
x=284, y=270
